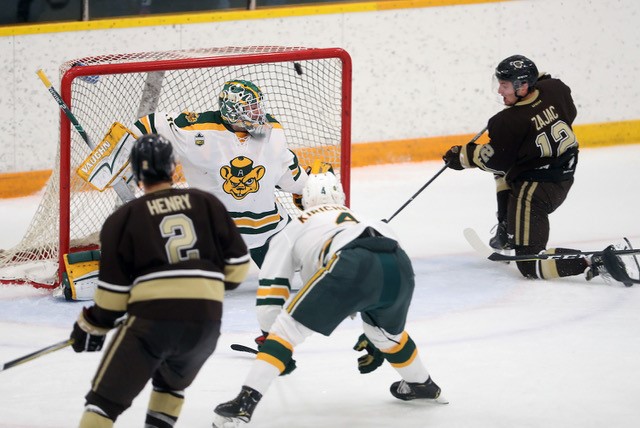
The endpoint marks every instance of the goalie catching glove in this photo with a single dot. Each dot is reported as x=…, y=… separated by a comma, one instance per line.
x=86, y=336
x=373, y=359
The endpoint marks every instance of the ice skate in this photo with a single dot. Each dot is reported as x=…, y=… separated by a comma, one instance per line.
x=237, y=411
x=428, y=390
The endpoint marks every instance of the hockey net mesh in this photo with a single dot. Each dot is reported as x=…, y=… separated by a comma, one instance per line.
x=304, y=95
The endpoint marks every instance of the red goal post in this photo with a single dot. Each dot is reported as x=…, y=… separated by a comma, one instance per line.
x=308, y=90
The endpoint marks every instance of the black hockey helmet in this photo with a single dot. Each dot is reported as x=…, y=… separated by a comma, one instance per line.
x=518, y=69
x=152, y=159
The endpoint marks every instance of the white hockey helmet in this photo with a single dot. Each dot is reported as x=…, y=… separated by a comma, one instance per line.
x=322, y=187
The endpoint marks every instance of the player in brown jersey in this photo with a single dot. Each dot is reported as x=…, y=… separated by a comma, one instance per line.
x=533, y=153
x=167, y=259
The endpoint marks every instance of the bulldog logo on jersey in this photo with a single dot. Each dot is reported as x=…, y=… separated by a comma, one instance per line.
x=241, y=177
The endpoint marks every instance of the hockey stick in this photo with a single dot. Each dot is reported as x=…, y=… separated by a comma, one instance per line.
x=416, y=194
x=34, y=355
x=120, y=187
x=242, y=348
x=477, y=244
x=473, y=140
x=635, y=259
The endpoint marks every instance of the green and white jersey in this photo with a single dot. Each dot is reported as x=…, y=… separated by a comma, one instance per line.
x=241, y=169
x=307, y=244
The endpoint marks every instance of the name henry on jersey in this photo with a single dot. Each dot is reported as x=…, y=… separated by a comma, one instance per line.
x=169, y=204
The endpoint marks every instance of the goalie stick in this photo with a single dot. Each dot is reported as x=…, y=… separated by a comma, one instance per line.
x=120, y=187
x=32, y=356
x=476, y=243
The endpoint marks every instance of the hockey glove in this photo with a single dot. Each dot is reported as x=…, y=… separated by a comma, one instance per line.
x=452, y=158
x=373, y=359
x=87, y=337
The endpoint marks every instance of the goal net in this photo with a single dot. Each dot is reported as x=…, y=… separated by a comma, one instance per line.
x=308, y=90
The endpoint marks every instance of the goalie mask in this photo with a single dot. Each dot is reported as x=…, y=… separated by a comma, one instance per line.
x=322, y=187
x=240, y=104
x=518, y=70
x=152, y=159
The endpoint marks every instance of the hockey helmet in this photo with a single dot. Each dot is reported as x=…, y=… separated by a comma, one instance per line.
x=240, y=103
x=518, y=70
x=322, y=187
x=152, y=159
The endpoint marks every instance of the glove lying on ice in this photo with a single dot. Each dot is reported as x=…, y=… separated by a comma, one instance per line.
x=373, y=359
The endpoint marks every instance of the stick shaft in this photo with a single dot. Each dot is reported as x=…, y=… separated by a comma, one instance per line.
x=119, y=186
x=39, y=353
x=416, y=194
x=56, y=96
x=473, y=140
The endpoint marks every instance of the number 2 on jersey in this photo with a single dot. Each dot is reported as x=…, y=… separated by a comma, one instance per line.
x=182, y=237
x=561, y=134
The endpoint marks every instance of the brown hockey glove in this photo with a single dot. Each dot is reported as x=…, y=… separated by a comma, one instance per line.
x=452, y=158
x=86, y=336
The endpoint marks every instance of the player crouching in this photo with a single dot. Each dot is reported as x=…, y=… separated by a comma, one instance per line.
x=347, y=265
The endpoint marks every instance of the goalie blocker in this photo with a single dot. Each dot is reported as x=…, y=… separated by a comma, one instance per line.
x=109, y=160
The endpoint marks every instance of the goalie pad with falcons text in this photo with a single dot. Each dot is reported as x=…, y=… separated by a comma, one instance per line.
x=109, y=160
x=80, y=278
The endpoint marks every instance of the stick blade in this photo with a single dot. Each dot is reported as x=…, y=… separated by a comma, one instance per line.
x=476, y=243
x=242, y=348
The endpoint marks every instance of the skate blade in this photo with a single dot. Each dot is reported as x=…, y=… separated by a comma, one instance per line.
x=441, y=400
x=223, y=422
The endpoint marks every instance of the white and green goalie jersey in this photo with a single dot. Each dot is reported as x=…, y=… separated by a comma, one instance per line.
x=241, y=169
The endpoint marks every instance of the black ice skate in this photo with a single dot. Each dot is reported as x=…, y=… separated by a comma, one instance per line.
x=609, y=265
x=501, y=239
x=412, y=390
x=239, y=409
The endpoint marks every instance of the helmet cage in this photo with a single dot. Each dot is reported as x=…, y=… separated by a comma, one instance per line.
x=240, y=104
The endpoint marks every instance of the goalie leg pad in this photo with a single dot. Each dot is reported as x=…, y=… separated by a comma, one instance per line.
x=80, y=278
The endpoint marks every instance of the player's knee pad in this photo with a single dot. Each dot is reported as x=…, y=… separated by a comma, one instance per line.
x=529, y=269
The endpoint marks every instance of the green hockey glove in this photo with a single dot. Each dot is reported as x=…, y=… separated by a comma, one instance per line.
x=373, y=359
